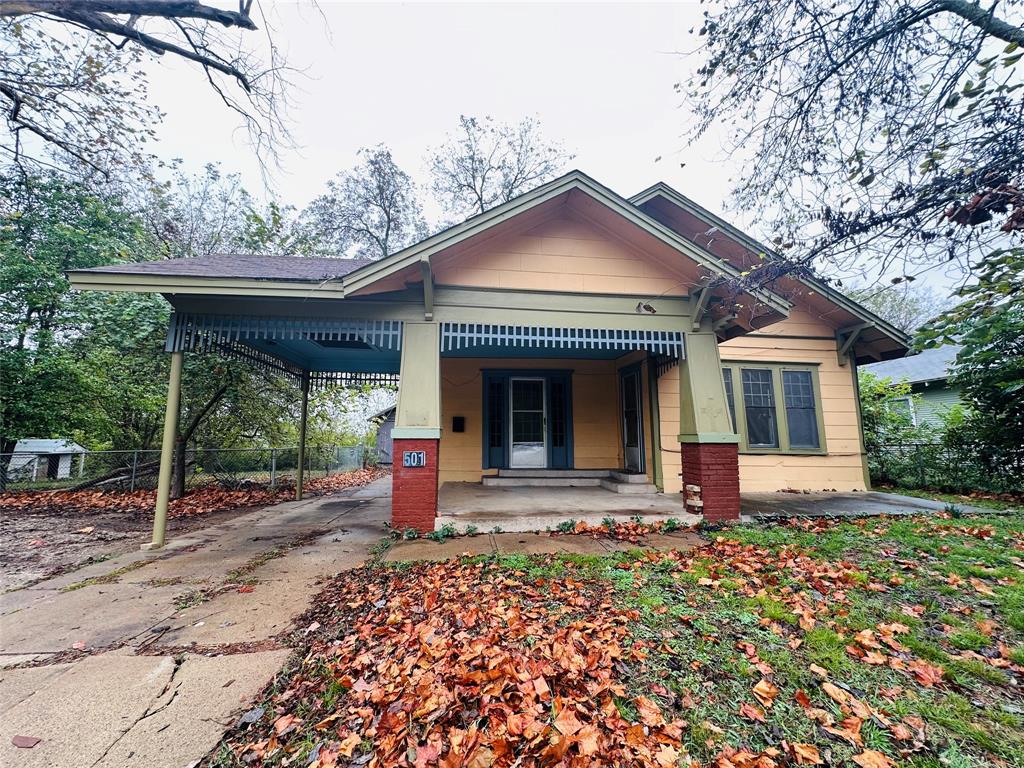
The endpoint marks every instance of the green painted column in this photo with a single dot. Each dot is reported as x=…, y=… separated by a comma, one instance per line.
x=703, y=409
x=303, y=415
x=163, y=489
x=418, y=414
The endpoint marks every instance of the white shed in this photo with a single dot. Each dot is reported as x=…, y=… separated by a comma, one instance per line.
x=35, y=460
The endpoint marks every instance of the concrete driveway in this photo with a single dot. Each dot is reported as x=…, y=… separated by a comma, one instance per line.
x=767, y=505
x=147, y=658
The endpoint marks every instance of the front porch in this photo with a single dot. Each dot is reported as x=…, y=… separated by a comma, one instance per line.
x=535, y=506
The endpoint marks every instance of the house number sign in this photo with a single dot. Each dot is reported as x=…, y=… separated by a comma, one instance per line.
x=414, y=458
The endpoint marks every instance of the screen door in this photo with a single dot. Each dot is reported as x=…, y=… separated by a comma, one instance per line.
x=528, y=423
x=632, y=421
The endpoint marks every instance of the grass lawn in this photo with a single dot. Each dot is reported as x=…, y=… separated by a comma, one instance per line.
x=864, y=643
x=997, y=501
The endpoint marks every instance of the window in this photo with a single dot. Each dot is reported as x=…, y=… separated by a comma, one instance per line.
x=801, y=418
x=903, y=406
x=775, y=407
x=759, y=404
x=730, y=397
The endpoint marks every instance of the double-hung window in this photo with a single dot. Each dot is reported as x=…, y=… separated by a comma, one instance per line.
x=775, y=408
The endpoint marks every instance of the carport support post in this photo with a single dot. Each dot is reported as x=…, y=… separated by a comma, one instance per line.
x=302, y=436
x=163, y=488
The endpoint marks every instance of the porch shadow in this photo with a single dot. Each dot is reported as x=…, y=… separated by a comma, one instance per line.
x=538, y=508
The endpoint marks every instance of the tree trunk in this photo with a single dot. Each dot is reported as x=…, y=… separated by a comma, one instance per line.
x=180, y=461
x=6, y=449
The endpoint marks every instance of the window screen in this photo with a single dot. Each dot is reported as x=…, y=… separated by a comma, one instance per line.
x=759, y=404
x=730, y=396
x=798, y=391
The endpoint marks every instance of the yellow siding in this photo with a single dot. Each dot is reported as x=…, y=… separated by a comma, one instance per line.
x=559, y=254
x=842, y=468
x=594, y=405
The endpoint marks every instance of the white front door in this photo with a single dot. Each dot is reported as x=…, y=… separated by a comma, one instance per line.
x=528, y=420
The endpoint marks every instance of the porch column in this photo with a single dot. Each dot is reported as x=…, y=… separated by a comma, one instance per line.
x=711, y=477
x=303, y=413
x=163, y=488
x=417, y=432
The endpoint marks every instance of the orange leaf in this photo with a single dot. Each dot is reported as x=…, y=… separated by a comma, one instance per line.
x=649, y=712
x=869, y=758
x=752, y=712
x=765, y=692
x=806, y=754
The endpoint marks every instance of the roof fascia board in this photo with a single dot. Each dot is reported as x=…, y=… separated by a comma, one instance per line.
x=136, y=283
x=664, y=190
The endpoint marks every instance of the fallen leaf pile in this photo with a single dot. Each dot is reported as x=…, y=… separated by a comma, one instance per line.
x=631, y=530
x=197, y=501
x=456, y=664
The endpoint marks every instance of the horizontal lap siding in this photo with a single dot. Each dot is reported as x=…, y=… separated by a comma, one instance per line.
x=594, y=400
x=842, y=468
x=562, y=254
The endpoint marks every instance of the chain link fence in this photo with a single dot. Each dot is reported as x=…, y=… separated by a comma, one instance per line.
x=138, y=470
x=951, y=469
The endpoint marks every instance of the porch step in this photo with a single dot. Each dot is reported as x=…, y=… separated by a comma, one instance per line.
x=626, y=477
x=518, y=481
x=554, y=473
x=632, y=486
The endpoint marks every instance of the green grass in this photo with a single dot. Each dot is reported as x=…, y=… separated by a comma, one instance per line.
x=953, y=498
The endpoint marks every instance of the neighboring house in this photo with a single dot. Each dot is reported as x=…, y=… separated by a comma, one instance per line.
x=928, y=375
x=36, y=460
x=568, y=336
x=385, y=421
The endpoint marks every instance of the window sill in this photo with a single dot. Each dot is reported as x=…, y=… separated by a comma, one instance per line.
x=781, y=452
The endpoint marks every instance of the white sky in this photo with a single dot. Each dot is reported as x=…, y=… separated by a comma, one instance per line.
x=599, y=77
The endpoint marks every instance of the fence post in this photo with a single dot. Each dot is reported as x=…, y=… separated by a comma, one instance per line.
x=135, y=466
x=273, y=467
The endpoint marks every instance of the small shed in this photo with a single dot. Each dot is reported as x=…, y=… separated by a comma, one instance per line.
x=36, y=459
x=385, y=421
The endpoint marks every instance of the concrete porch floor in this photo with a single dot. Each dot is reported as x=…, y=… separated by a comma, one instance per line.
x=529, y=508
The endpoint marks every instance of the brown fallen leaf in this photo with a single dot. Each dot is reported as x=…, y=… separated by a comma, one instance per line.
x=752, y=712
x=806, y=754
x=25, y=742
x=869, y=758
x=765, y=692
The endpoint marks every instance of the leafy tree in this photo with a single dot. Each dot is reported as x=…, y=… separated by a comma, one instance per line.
x=372, y=209
x=989, y=370
x=907, y=306
x=72, y=83
x=883, y=422
x=48, y=226
x=884, y=127
x=486, y=163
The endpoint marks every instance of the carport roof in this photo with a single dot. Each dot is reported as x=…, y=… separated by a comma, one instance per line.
x=243, y=266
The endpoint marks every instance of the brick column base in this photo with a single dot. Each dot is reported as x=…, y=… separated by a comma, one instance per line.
x=711, y=480
x=414, y=489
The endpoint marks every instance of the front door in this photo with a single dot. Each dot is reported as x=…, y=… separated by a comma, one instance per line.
x=632, y=420
x=528, y=423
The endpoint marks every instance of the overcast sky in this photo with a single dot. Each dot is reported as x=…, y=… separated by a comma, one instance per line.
x=599, y=77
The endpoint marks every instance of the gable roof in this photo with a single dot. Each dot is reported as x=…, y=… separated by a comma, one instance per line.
x=875, y=325
x=46, y=446
x=929, y=365
x=574, y=180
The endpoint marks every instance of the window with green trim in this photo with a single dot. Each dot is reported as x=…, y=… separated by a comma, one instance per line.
x=775, y=407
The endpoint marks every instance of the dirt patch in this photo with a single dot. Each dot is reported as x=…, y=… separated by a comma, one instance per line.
x=34, y=547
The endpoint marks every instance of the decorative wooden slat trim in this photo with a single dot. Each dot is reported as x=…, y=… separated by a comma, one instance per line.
x=200, y=332
x=463, y=336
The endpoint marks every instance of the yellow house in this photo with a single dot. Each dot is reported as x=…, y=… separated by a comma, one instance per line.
x=568, y=337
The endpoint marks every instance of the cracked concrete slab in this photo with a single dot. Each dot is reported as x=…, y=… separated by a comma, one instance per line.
x=82, y=711
x=190, y=717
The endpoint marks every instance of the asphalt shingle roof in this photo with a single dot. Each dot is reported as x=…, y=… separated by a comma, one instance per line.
x=929, y=365
x=244, y=266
